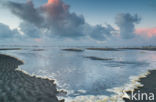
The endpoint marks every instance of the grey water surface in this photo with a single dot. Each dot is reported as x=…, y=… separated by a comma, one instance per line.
x=85, y=72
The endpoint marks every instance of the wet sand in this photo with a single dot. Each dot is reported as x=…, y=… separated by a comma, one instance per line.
x=16, y=86
x=73, y=49
x=97, y=58
x=10, y=49
x=149, y=86
x=148, y=48
x=140, y=48
x=103, y=49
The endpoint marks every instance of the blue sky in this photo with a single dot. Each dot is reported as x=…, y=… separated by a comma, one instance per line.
x=101, y=11
x=98, y=21
x=98, y=11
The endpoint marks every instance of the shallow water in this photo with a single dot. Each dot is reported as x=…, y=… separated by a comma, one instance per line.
x=81, y=75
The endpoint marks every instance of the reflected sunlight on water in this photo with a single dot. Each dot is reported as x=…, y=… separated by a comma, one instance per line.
x=83, y=77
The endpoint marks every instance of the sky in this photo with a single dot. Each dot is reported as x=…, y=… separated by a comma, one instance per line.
x=89, y=20
x=99, y=11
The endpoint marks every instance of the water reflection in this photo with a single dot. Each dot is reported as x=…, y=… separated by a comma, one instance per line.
x=84, y=76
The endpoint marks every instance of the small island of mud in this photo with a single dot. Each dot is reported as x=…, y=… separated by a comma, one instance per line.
x=10, y=49
x=148, y=48
x=97, y=58
x=103, y=49
x=73, y=50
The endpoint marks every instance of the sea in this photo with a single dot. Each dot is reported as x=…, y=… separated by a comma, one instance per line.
x=86, y=75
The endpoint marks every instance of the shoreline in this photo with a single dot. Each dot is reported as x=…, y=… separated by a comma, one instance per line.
x=17, y=86
x=149, y=87
x=9, y=69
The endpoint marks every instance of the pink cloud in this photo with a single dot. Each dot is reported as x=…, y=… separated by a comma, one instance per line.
x=38, y=40
x=146, y=31
x=56, y=9
x=52, y=1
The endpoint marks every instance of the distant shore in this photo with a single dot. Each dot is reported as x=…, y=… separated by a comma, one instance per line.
x=149, y=86
x=16, y=86
x=124, y=48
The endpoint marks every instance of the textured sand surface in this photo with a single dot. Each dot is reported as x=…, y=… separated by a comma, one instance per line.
x=149, y=86
x=16, y=86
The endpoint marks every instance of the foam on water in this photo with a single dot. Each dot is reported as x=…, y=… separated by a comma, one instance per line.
x=50, y=71
x=118, y=92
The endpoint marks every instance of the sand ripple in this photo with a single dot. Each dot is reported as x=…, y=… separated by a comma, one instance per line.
x=16, y=86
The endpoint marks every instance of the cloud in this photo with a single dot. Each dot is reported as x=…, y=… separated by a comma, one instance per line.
x=60, y=21
x=6, y=32
x=56, y=19
x=126, y=23
x=100, y=33
x=29, y=30
x=26, y=11
x=149, y=32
